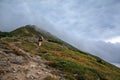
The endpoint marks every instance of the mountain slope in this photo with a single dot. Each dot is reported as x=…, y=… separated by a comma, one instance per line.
x=33, y=31
x=63, y=61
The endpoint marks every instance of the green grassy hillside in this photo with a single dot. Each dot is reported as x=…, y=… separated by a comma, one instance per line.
x=5, y=34
x=33, y=31
x=72, y=63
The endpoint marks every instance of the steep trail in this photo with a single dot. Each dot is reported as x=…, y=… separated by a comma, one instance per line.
x=16, y=64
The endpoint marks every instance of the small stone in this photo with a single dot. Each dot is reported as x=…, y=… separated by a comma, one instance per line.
x=32, y=66
x=32, y=76
x=15, y=69
x=39, y=73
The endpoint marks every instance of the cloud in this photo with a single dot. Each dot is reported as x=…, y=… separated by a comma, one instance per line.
x=87, y=24
x=116, y=64
x=114, y=40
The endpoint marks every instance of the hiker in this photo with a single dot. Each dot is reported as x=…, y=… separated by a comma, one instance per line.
x=40, y=39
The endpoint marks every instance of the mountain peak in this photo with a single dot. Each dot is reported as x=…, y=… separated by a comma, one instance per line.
x=31, y=30
x=28, y=30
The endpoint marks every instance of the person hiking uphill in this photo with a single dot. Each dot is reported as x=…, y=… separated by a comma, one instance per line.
x=40, y=39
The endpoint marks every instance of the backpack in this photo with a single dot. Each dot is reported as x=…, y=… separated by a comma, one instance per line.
x=40, y=39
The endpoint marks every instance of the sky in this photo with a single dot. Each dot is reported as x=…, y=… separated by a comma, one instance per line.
x=90, y=25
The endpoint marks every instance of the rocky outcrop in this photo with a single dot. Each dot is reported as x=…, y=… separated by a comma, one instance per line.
x=15, y=65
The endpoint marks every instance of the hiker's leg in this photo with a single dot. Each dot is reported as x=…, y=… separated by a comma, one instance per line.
x=39, y=43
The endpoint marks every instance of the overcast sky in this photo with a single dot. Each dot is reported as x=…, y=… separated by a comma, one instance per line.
x=90, y=25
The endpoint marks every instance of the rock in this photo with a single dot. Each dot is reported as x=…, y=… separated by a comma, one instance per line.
x=3, y=63
x=15, y=69
x=32, y=66
x=17, y=60
x=39, y=73
x=32, y=76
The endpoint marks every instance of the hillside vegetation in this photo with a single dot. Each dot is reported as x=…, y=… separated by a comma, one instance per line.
x=64, y=59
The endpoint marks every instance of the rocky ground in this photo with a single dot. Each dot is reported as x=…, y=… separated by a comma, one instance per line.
x=16, y=64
